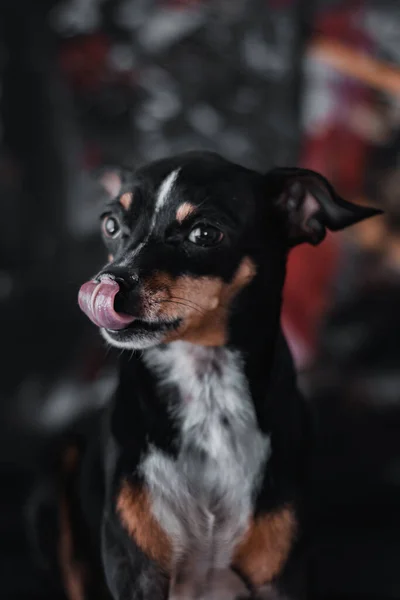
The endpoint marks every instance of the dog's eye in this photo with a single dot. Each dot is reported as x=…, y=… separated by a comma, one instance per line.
x=205, y=235
x=111, y=227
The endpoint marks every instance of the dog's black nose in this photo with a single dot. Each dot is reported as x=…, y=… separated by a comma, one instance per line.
x=128, y=297
x=126, y=280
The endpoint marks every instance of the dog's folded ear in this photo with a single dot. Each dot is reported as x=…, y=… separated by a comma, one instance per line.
x=310, y=204
x=114, y=180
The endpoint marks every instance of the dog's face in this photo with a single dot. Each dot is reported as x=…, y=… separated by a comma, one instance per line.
x=185, y=236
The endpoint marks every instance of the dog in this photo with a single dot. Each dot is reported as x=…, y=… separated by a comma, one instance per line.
x=204, y=448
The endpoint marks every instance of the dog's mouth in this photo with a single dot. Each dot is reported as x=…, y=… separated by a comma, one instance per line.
x=142, y=328
x=97, y=299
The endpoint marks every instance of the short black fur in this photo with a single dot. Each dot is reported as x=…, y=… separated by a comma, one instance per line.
x=260, y=217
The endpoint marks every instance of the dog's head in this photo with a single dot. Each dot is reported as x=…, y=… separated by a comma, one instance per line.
x=186, y=236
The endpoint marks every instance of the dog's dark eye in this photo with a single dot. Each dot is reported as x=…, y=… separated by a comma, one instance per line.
x=111, y=227
x=205, y=235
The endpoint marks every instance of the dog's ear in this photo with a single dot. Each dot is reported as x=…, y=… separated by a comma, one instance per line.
x=310, y=204
x=114, y=180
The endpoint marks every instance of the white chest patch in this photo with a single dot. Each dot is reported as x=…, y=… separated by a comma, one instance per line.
x=203, y=498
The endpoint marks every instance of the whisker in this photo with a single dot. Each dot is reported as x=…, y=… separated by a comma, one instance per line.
x=181, y=304
x=202, y=312
x=188, y=301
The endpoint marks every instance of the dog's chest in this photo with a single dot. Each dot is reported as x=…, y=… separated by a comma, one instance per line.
x=203, y=497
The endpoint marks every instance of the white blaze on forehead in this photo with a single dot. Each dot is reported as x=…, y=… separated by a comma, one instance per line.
x=165, y=190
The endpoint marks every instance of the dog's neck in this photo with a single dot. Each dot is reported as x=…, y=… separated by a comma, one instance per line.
x=255, y=342
x=256, y=351
x=264, y=368
x=257, y=361
x=186, y=365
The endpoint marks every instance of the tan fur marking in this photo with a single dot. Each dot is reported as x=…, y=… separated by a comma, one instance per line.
x=126, y=200
x=134, y=509
x=203, y=303
x=184, y=211
x=73, y=573
x=110, y=258
x=265, y=547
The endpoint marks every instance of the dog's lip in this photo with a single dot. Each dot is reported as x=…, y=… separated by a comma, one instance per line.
x=96, y=300
x=147, y=326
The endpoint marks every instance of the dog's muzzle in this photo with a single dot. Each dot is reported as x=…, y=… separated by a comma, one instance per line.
x=96, y=299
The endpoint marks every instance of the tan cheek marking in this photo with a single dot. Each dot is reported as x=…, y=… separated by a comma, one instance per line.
x=134, y=509
x=212, y=330
x=188, y=298
x=184, y=211
x=202, y=303
x=126, y=200
x=110, y=258
x=262, y=553
x=73, y=573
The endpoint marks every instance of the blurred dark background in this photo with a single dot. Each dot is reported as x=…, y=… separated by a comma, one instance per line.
x=89, y=83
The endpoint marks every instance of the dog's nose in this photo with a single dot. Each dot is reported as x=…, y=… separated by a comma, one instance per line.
x=97, y=299
x=127, y=281
x=128, y=297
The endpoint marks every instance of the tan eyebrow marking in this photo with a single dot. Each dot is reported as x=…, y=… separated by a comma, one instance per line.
x=126, y=200
x=184, y=211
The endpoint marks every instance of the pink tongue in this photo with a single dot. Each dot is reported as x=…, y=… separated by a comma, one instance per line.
x=96, y=299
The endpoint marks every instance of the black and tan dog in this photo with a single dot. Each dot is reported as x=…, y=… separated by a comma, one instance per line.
x=205, y=445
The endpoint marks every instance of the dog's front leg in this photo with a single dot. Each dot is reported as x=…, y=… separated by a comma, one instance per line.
x=130, y=574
